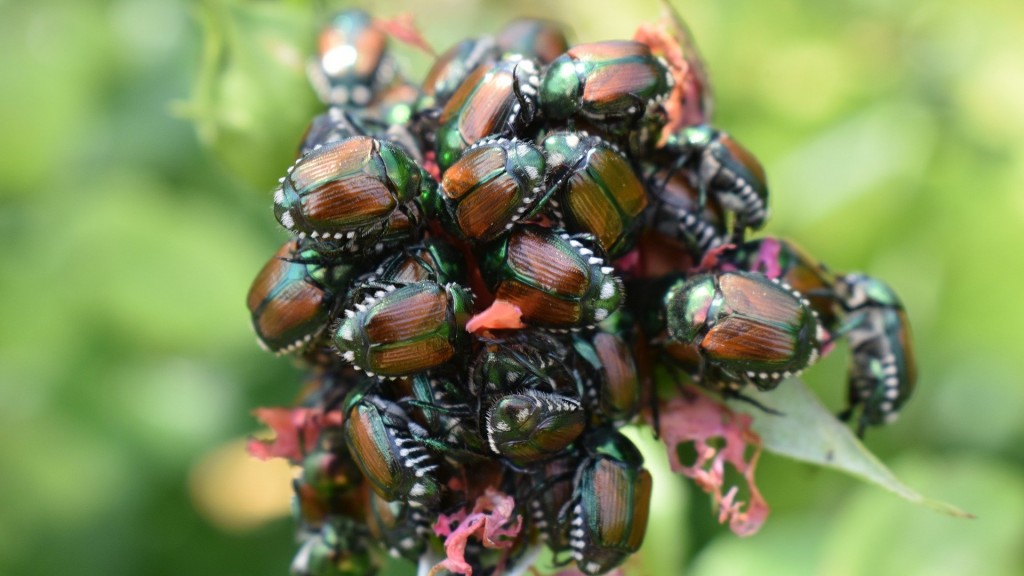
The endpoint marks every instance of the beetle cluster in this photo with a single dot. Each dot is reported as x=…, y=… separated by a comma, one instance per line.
x=477, y=262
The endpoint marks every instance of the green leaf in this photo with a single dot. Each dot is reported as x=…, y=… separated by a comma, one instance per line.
x=808, y=432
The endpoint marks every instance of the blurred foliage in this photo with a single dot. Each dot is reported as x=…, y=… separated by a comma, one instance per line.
x=153, y=131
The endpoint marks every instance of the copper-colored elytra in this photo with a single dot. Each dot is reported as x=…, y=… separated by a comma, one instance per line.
x=415, y=315
x=332, y=161
x=486, y=212
x=619, y=368
x=297, y=304
x=545, y=261
x=594, y=210
x=473, y=168
x=613, y=502
x=908, y=349
x=464, y=91
x=270, y=275
x=370, y=46
x=620, y=182
x=554, y=438
x=612, y=90
x=609, y=50
x=745, y=341
x=642, y=485
x=539, y=306
x=410, y=357
x=363, y=440
x=488, y=108
x=358, y=200
x=744, y=156
x=764, y=301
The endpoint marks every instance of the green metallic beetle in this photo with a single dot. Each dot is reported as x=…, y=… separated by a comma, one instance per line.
x=594, y=189
x=494, y=184
x=611, y=503
x=531, y=426
x=392, y=332
x=352, y=63
x=548, y=490
x=451, y=68
x=292, y=297
x=402, y=529
x=618, y=85
x=354, y=195
x=528, y=359
x=679, y=212
x=339, y=548
x=883, y=371
x=556, y=280
x=745, y=327
x=389, y=450
x=494, y=100
x=432, y=259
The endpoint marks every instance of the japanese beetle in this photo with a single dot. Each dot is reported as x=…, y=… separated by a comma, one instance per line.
x=557, y=281
x=492, y=185
x=594, y=188
x=611, y=503
x=395, y=332
x=292, y=297
x=883, y=371
x=548, y=488
x=781, y=259
x=351, y=63
x=432, y=259
x=440, y=403
x=612, y=385
x=494, y=100
x=526, y=359
x=355, y=194
x=745, y=326
x=334, y=125
x=531, y=426
x=328, y=475
x=535, y=38
x=618, y=84
x=678, y=212
x=388, y=449
x=339, y=548
x=725, y=170
x=451, y=69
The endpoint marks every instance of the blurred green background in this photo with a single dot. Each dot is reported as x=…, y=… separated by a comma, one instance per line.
x=142, y=138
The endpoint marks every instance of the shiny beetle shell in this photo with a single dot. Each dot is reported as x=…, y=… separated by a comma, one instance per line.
x=494, y=100
x=433, y=259
x=745, y=325
x=782, y=260
x=402, y=529
x=531, y=426
x=492, y=185
x=541, y=40
x=556, y=280
x=611, y=504
x=351, y=62
x=358, y=193
x=883, y=370
x=291, y=299
x=451, y=68
x=399, y=332
x=390, y=456
x=607, y=81
x=527, y=359
x=595, y=189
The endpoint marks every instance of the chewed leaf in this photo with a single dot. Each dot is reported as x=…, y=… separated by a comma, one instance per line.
x=719, y=437
x=808, y=432
x=490, y=522
x=296, y=431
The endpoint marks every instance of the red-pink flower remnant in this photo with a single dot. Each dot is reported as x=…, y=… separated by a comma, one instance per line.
x=296, y=431
x=697, y=418
x=501, y=315
x=489, y=522
x=403, y=28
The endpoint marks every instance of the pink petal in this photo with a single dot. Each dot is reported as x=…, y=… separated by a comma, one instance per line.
x=501, y=315
x=488, y=522
x=403, y=28
x=696, y=419
x=296, y=431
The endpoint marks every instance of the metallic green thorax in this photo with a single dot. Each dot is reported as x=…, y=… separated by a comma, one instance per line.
x=688, y=306
x=611, y=503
